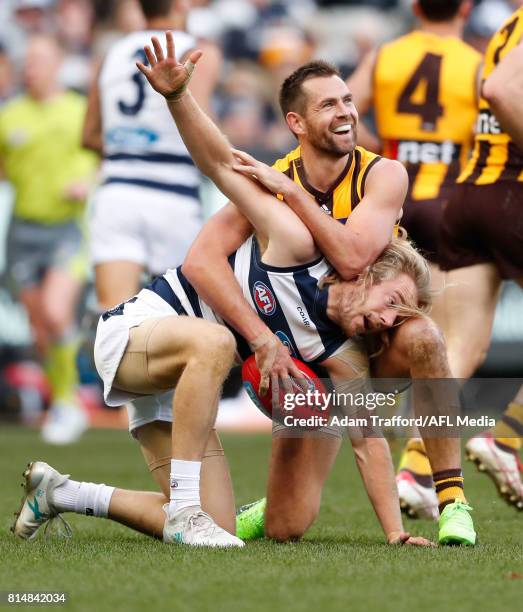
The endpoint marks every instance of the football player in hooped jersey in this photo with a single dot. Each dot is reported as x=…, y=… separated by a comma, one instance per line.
x=363, y=207
x=320, y=112
x=144, y=344
x=146, y=211
x=423, y=89
x=144, y=160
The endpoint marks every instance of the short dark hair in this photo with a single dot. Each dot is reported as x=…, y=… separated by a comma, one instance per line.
x=156, y=8
x=291, y=94
x=439, y=10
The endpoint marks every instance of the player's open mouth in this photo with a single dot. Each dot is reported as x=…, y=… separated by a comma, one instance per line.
x=346, y=128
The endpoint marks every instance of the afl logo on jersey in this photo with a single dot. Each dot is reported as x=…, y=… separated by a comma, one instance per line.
x=265, y=300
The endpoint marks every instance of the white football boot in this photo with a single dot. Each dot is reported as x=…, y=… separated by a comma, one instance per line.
x=194, y=527
x=65, y=424
x=416, y=501
x=36, y=508
x=501, y=466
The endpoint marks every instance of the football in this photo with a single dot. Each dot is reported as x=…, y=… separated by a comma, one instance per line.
x=306, y=403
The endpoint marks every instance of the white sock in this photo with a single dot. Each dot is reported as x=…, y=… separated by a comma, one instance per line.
x=65, y=495
x=185, y=485
x=85, y=498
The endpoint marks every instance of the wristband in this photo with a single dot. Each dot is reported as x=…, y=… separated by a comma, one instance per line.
x=261, y=340
x=179, y=93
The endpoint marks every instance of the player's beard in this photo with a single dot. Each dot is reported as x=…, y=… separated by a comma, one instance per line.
x=329, y=143
x=350, y=306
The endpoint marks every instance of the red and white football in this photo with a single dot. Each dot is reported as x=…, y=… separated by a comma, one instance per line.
x=303, y=408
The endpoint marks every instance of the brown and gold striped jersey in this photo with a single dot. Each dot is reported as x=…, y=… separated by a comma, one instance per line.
x=425, y=102
x=348, y=189
x=495, y=156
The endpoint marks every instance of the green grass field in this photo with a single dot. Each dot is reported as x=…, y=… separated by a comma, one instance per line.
x=342, y=564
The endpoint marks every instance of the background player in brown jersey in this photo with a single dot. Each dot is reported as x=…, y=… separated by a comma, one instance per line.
x=482, y=243
x=422, y=88
x=319, y=110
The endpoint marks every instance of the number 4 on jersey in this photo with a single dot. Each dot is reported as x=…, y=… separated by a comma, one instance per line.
x=421, y=94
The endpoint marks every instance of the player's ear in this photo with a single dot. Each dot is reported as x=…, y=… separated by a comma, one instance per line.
x=295, y=123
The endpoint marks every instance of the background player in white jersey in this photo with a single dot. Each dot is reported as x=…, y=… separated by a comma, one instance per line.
x=146, y=211
x=148, y=330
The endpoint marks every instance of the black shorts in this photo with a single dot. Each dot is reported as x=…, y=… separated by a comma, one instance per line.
x=484, y=224
x=422, y=219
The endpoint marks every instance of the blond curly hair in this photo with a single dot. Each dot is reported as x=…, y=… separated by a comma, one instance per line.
x=398, y=257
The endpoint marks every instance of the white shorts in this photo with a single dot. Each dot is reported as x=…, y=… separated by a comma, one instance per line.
x=147, y=226
x=112, y=336
x=150, y=408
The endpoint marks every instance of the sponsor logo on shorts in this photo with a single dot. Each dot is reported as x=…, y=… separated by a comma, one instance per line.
x=286, y=342
x=265, y=300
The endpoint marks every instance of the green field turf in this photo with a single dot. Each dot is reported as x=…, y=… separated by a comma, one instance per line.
x=342, y=564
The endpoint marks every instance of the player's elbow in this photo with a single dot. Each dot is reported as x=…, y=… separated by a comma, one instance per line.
x=193, y=269
x=348, y=270
x=350, y=266
x=399, y=182
x=490, y=91
x=499, y=98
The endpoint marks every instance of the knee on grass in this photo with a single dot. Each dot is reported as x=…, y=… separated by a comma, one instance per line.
x=289, y=528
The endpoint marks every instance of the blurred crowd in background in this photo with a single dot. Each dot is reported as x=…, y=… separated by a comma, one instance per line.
x=262, y=41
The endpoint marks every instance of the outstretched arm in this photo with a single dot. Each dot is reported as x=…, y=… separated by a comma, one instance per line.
x=371, y=451
x=212, y=154
x=209, y=272
x=208, y=147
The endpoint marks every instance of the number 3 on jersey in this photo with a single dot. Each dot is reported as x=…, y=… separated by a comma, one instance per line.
x=421, y=93
x=139, y=81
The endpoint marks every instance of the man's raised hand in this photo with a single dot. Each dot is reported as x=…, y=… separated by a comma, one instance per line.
x=165, y=74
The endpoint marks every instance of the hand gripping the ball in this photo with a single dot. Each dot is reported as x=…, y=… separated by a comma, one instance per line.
x=275, y=364
x=166, y=74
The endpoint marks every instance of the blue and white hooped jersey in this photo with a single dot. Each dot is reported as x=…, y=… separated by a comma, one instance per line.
x=288, y=300
x=142, y=145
